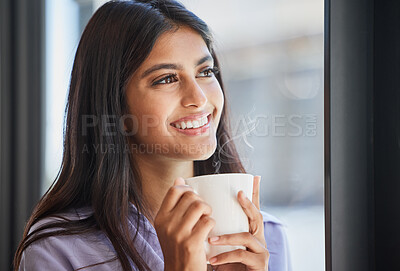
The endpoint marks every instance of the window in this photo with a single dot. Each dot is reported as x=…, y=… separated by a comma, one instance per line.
x=271, y=54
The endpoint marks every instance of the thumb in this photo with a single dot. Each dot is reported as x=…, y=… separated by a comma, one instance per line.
x=179, y=181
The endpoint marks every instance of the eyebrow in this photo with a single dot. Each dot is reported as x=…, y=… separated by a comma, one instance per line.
x=173, y=66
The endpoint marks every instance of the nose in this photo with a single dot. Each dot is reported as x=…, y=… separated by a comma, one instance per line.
x=193, y=95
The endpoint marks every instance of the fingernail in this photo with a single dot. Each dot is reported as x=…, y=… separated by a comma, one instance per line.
x=214, y=239
x=213, y=260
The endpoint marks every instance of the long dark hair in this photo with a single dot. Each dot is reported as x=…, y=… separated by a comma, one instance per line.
x=116, y=41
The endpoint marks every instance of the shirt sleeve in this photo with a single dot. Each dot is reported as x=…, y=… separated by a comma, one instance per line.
x=69, y=252
x=44, y=255
x=277, y=244
x=65, y=253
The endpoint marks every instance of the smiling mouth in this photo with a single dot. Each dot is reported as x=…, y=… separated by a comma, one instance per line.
x=192, y=124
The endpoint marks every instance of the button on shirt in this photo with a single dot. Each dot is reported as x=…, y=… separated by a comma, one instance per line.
x=76, y=251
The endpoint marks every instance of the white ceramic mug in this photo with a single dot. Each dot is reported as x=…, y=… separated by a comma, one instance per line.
x=220, y=192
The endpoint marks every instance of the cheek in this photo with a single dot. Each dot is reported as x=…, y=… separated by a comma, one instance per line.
x=149, y=113
x=152, y=116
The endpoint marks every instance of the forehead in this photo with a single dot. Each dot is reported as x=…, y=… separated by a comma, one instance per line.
x=184, y=44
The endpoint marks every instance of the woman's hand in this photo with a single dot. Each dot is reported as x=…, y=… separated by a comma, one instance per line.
x=182, y=224
x=256, y=257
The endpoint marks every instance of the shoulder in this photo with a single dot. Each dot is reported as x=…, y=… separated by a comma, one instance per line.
x=58, y=251
x=277, y=244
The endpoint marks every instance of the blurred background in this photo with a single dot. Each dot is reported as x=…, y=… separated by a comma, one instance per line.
x=271, y=54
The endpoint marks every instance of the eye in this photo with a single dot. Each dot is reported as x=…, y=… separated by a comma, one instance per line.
x=209, y=72
x=171, y=78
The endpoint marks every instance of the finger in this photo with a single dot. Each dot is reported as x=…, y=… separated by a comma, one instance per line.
x=196, y=210
x=256, y=223
x=183, y=205
x=202, y=228
x=174, y=194
x=239, y=239
x=186, y=199
x=179, y=181
x=256, y=191
x=251, y=260
x=249, y=208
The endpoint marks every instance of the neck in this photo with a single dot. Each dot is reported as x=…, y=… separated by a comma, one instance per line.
x=157, y=176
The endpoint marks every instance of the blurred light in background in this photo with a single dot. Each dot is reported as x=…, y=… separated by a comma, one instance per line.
x=271, y=54
x=62, y=37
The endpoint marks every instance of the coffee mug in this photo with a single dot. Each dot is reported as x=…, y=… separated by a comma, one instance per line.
x=220, y=192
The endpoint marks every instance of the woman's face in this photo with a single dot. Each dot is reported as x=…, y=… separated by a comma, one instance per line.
x=173, y=89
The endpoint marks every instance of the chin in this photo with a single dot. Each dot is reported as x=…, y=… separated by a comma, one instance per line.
x=205, y=155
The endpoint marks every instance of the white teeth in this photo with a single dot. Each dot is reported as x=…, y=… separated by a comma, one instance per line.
x=183, y=125
x=204, y=120
x=189, y=124
x=196, y=124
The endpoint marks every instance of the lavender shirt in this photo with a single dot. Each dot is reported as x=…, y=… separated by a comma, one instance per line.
x=77, y=251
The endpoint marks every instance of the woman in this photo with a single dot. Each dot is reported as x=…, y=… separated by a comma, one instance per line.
x=143, y=71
